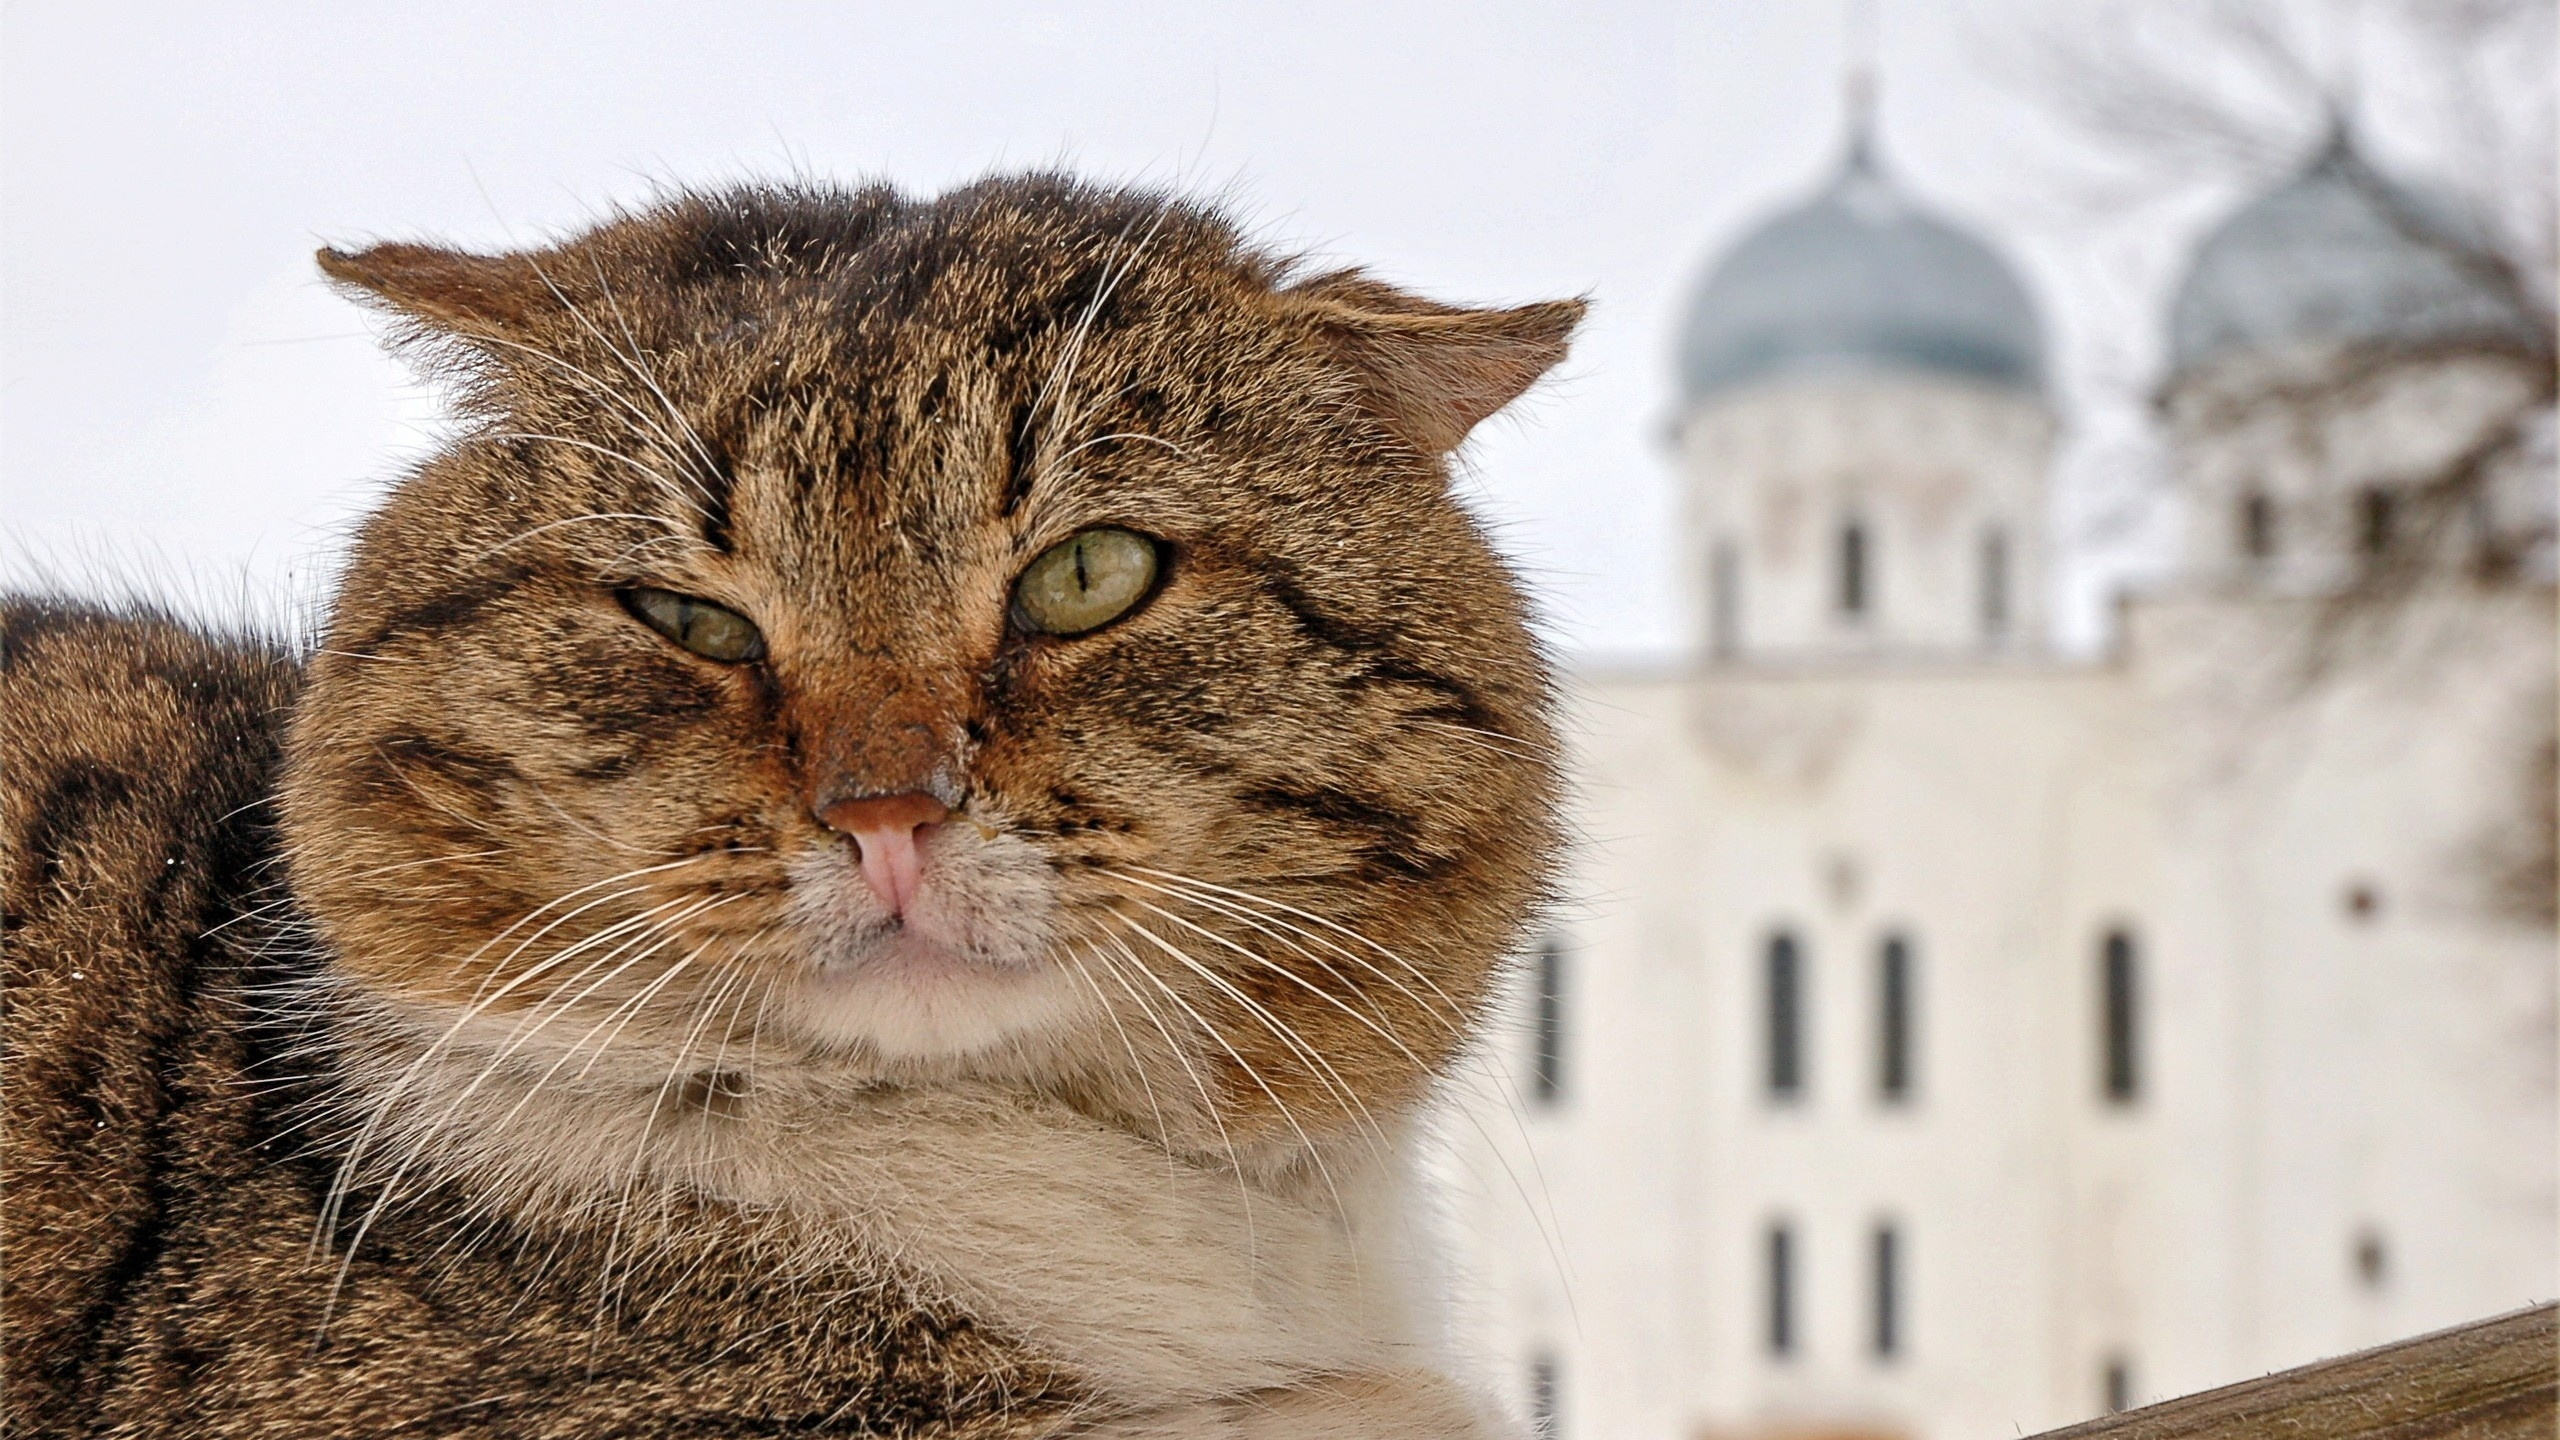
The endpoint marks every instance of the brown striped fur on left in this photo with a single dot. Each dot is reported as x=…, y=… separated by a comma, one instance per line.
x=160, y=1212
x=478, y=1030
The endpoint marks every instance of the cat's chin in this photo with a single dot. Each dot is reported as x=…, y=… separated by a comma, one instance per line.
x=970, y=970
x=907, y=997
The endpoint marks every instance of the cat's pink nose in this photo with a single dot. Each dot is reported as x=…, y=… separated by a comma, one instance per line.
x=884, y=829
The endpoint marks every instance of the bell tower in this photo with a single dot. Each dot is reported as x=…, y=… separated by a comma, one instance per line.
x=2344, y=384
x=1863, y=427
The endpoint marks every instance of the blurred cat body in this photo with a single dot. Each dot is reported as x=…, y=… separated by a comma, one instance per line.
x=725, y=913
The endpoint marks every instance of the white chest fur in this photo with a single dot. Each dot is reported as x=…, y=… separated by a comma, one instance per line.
x=1157, y=1280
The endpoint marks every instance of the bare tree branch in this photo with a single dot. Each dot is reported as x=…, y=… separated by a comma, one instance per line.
x=2183, y=97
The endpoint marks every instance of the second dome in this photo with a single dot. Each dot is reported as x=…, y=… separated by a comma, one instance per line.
x=1859, y=278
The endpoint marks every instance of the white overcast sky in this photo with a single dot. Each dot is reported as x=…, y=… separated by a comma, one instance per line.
x=182, y=404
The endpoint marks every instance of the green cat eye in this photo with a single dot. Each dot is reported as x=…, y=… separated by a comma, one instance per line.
x=1085, y=581
x=698, y=625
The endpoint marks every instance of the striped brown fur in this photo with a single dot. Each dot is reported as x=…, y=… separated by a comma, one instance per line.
x=1227, y=882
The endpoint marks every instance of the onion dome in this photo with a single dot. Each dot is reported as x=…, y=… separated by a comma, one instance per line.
x=1859, y=279
x=2338, y=254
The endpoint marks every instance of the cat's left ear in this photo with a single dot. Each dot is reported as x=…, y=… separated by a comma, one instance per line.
x=470, y=297
x=1434, y=372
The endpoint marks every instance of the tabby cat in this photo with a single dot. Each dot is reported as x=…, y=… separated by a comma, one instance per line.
x=887, y=841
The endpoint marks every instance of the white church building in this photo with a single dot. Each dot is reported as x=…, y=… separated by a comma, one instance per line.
x=1951, y=1038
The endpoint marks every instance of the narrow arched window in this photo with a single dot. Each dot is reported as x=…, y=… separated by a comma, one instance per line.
x=1995, y=583
x=1724, y=600
x=1854, y=561
x=1885, y=1291
x=1546, y=1026
x=1897, y=982
x=2377, y=515
x=1780, y=1259
x=2257, y=525
x=1784, y=1000
x=2120, y=1028
x=1546, y=1396
x=2115, y=1383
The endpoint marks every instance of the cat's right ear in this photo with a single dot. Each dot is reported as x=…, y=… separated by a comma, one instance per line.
x=451, y=292
x=1433, y=372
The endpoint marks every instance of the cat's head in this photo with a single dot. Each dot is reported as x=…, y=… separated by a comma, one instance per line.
x=1023, y=633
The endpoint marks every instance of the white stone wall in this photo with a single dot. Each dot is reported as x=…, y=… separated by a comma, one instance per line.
x=2328, y=851
x=2311, y=430
x=2345, y=1127
x=1723, y=808
x=2311, y=1073
x=1928, y=466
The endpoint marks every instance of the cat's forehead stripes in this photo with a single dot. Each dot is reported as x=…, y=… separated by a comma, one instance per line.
x=918, y=363
x=949, y=374
x=854, y=420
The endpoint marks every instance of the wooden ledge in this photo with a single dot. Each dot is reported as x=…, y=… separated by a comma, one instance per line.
x=2496, y=1379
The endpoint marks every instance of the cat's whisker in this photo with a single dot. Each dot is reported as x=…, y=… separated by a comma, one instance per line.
x=1062, y=372
x=629, y=363
x=413, y=1151
x=1454, y=1008
x=1066, y=358
x=1439, y=1006
x=640, y=919
x=639, y=1149
x=732, y=979
x=1494, y=740
x=745, y=975
x=621, y=560
x=595, y=386
x=635, y=362
x=1182, y=1055
x=1137, y=1067
x=1306, y=1141
x=416, y=1145
x=587, y=382
x=1083, y=446
x=1453, y=1031
x=400, y=1085
x=1511, y=1107
x=531, y=915
x=558, y=1007
x=418, y=1137
x=657, y=476
x=595, y=518
x=287, y=899
x=1542, y=1210
x=630, y=1010
x=1306, y=1055
x=482, y=998
x=1373, y=1025
x=1289, y=937
x=755, y=1026
x=1289, y=1035
x=1510, y=1100
x=1507, y=1097
x=707, y=1003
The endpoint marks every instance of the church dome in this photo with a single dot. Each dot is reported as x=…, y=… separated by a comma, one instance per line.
x=1859, y=279
x=2337, y=253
